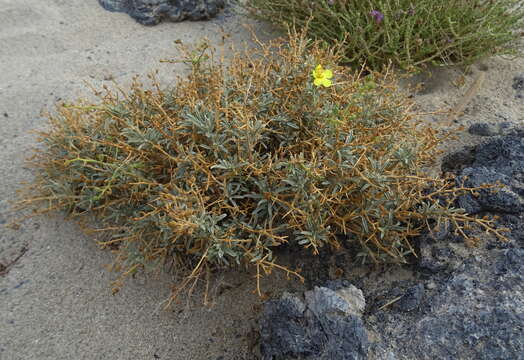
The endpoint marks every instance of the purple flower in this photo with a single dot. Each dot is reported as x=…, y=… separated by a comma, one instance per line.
x=377, y=15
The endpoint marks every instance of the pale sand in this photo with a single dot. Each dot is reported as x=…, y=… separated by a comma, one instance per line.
x=56, y=302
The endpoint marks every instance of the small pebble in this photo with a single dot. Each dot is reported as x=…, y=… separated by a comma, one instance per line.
x=518, y=82
x=431, y=285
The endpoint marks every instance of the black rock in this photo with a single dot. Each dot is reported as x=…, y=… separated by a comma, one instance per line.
x=436, y=253
x=487, y=129
x=151, y=12
x=518, y=84
x=501, y=200
x=483, y=129
x=459, y=160
x=411, y=299
x=474, y=308
x=326, y=324
x=473, y=313
x=498, y=161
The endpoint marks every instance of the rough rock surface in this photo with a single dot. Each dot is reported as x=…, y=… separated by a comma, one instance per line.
x=461, y=303
x=518, y=85
x=474, y=313
x=487, y=129
x=151, y=12
x=500, y=160
x=326, y=324
x=469, y=302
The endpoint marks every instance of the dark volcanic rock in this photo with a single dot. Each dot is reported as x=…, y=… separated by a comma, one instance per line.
x=518, y=84
x=474, y=308
x=412, y=298
x=324, y=325
x=482, y=129
x=440, y=250
x=476, y=313
x=487, y=129
x=151, y=12
x=499, y=161
x=503, y=200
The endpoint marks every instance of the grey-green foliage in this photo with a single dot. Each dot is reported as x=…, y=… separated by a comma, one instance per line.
x=204, y=176
x=408, y=33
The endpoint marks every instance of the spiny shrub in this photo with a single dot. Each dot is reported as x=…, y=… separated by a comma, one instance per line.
x=406, y=32
x=243, y=156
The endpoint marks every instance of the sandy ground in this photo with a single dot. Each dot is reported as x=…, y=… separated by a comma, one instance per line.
x=55, y=302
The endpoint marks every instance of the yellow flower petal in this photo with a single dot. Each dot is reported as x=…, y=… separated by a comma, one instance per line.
x=321, y=77
x=326, y=82
x=317, y=73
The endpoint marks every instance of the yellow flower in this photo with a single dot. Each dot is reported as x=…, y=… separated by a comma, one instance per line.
x=322, y=77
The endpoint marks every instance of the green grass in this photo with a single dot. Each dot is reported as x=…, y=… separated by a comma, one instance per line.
x=412, y=33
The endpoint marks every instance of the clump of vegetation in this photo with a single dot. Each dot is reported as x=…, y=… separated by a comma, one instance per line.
x=406, y=32
x=281, y=145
